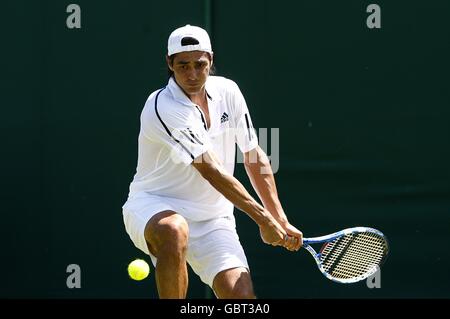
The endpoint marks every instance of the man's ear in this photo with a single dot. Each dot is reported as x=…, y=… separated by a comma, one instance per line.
x=169, y=63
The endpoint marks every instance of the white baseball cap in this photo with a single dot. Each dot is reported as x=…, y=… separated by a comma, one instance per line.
x=188, y=38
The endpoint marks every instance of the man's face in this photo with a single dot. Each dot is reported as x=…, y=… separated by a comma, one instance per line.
x=191, y=69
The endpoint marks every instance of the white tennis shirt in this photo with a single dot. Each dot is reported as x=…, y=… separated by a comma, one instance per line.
x=174, y=132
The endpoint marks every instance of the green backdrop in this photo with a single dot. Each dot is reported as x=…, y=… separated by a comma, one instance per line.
x=363, y=116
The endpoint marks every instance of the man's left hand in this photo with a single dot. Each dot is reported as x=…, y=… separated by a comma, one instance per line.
x=294, y=238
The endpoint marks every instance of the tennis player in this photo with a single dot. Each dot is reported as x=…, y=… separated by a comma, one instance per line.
x=180, y=205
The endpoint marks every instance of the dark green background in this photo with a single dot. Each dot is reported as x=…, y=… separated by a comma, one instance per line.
x=364, y=136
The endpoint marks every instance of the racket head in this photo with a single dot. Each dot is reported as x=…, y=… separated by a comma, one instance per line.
x=350, y=255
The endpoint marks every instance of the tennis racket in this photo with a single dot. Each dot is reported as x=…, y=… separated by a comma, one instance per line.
x=349, y=255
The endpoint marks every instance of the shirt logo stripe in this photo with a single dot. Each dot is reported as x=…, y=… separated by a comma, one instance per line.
x=164, y=125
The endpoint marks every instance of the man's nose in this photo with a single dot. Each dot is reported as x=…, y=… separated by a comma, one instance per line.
x=192, y=74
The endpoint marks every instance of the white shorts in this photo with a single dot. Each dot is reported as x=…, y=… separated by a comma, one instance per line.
x=213, y=245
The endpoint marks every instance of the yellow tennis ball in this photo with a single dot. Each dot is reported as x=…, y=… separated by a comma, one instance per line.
x=138, y=269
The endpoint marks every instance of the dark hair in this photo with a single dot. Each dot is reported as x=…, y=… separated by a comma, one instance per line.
x=212, y=70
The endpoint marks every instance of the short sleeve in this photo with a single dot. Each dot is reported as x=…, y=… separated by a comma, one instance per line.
x=246, y=137
x=182, y=132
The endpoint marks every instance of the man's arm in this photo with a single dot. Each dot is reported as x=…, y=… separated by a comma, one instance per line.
x=212, y=170
x=257, y=166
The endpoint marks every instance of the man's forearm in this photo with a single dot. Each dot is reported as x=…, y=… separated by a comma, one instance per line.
x=226, y=184
x=264, y=184
x=236, y=193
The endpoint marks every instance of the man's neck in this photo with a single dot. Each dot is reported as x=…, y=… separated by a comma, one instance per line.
x=198, y=98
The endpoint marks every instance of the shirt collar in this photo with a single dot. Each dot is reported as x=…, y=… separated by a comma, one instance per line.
x=181, y=97
x=211, y=90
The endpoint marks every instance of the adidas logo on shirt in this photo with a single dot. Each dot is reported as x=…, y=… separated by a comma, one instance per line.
x=224, y=118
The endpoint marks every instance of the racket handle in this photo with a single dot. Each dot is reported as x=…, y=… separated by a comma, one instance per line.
x=309, y=241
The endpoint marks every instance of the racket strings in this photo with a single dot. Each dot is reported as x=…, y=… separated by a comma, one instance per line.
x=353, y=255
x=359, y=257
x=358, y=260
x=353, y=258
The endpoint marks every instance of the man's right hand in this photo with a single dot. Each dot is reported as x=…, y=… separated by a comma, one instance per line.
x=272, y=233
